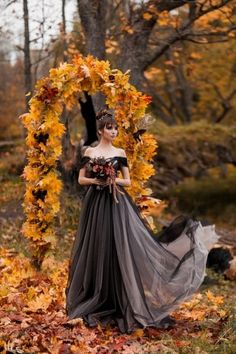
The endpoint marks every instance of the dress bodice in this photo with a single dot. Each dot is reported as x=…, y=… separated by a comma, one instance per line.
x=117, y=161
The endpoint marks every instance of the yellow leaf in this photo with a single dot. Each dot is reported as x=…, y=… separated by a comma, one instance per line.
x=4, y=290
x=231, y=35
x=195, y=55
x=147, y=16
x=41, y=302
x=85, y=70
x=222, y=313
x=128, y=29
x=139, y=332
x=216, y=300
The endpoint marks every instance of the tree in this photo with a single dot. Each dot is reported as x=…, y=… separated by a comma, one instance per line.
x=11, y=89
x=27, y=58
x=150, y=30
x=92, y=14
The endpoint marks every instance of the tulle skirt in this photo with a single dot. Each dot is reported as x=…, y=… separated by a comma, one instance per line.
x=122, y=273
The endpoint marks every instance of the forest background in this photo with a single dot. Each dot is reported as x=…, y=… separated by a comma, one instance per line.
x=182, y=54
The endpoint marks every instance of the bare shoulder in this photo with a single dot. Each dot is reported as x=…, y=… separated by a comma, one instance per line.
x=122, y=152
x=88, y=151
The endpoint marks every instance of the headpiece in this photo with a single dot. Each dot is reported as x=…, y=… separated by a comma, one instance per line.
x=104, y=113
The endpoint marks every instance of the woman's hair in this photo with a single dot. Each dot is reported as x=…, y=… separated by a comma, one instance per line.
x=104, y=117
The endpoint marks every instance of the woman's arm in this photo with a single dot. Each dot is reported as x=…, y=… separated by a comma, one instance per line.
x=84, y=180
x=88, y=180
x=125, y=181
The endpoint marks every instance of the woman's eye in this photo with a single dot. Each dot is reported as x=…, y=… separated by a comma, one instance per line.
x=110, y=127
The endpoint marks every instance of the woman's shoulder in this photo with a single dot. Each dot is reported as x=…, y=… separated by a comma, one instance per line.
x=121, y=152
x=87, y=151
x=122, y=157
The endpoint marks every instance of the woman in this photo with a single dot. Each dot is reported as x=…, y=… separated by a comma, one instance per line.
x=120, y=271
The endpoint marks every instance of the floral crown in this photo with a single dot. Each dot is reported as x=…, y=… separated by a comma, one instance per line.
x=104, y=113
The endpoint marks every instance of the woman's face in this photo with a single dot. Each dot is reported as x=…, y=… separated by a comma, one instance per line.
x=110, y=131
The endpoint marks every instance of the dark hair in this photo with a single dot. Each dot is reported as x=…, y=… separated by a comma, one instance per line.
x=104, y=117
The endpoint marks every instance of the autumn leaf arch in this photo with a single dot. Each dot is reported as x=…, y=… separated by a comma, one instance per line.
x=62, y=87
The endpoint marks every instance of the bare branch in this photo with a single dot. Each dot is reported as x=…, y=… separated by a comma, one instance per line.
x=192, y=10
x=220, y=34
x=164, y=5
x=163, y=111
x=35, y=39
x=182, y=33
x=224, y=101
x=20, y=48
x=10, y=3
x=205, y=41
x=211, y=8
x=42, y=58
x=213, y=33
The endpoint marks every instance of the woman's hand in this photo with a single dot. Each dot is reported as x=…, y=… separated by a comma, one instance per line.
x=124, y=182
x=119, y=181
x=99, y=182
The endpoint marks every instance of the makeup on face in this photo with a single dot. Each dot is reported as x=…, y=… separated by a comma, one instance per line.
x=109, y=126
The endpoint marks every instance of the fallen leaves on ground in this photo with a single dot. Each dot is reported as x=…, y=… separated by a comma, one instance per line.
x=33, y=318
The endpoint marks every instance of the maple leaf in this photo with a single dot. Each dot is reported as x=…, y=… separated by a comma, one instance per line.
x=126, y=124
x=85, y=70
x=41, y=302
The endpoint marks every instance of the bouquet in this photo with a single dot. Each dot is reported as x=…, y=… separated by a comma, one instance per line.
x=104, y=170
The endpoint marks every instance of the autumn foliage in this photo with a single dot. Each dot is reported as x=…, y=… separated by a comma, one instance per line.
x=62, y=87
x=33, y=317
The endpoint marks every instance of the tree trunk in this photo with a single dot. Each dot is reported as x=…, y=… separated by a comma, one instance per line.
x=92, y=14
x=66, y=163
x=135, y=45
x=63, y=32
x=133, y=48
x=27, y=60
x=182, y=93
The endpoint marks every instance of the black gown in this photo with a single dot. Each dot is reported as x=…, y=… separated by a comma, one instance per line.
x=120, y=272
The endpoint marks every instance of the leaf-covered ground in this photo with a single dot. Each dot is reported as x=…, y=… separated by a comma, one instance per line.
x=33, y=319
x=32, y=304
